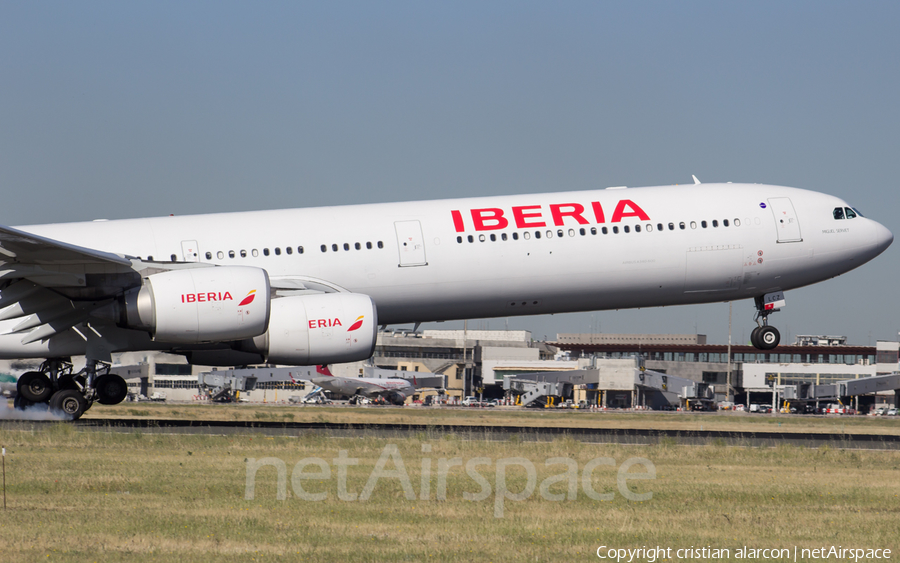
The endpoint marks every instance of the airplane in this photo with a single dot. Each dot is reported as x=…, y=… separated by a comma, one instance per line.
x=394, y=390
x=311, y=286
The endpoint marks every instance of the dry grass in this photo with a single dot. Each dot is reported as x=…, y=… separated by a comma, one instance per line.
x=508, y=416
x=96, y=496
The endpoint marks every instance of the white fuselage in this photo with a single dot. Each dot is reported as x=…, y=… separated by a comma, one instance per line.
x=517, y=255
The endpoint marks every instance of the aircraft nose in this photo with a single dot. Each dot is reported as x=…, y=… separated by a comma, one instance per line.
x=883, y=237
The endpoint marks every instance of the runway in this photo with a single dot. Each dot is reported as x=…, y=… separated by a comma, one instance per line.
x=482, y=432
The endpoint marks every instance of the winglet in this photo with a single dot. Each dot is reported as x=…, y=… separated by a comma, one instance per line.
x=323, y=370
x=696, y=181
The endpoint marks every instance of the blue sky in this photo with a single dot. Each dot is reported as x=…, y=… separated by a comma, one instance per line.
x=125, y=109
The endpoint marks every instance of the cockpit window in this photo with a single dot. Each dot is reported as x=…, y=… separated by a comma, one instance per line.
x=849, y=212
x=858, y=213
x=838, y=212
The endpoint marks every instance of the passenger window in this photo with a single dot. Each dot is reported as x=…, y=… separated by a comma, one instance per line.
x=324, y=248
x=582, y=231
x=299, y=250
x=637, y=229
x=627, y=229
x=265, y=251
x=278, y=251
x=850, y=213
x=649, y=228
x=838, y=212
x=671, y=226
x=703, y=224
x=471, y=238
x=693, y=224
x=380, y=244
x=615, y=230
x=459, y=240
x=537, y=234
x=681, y=225
x=715, y=223
x=334, y=247
x=605, y=230
x=493, y=237
x=481, y=238
x=526, y=235
x=231, y=253
x=209, y=255
x=724, y=222
x=255, y=253
x=174, y=258
x=593, y=230
x=369, y=245
x=515, y=236
x=243, y=253
x=659, y=227
x=549, y=234
x=290, y=250
x=346, y=246
x=358, y=246
x=737, y=222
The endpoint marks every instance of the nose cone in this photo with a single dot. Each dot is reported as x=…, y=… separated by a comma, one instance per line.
x=883, y=238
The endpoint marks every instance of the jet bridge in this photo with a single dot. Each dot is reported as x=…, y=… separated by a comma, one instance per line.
x=530, y=393
x=662, y=390
x=226, y=386
x=808, y=392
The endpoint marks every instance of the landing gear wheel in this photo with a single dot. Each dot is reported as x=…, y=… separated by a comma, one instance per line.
x=768, y=337
x=34, y=386
x=68, y=402
x=754, y=338
x=111, y=389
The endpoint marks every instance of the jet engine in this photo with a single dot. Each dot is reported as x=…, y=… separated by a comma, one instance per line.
x=200, y=305
x=318, y=329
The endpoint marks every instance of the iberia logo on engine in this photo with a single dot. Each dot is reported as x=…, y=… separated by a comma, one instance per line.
x=206, y=297
x=210, y=296
x=328, y=323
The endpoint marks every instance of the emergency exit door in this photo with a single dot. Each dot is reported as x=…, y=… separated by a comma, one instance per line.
x=410, y=243
x=189, y=251
x=785, y=219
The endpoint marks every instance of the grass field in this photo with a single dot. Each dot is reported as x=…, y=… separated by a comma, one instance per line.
x=506, y=416
x=105, y=496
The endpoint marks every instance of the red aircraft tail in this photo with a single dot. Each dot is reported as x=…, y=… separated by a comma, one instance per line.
x=323, y=370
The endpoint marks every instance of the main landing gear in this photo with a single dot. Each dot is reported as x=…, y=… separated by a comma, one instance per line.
x=69, y=394
x=765, y=337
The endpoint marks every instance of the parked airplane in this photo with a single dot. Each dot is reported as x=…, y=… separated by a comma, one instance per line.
x=310, y=286
x=394, y=390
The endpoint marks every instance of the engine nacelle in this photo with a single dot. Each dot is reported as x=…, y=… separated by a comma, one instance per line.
x=318, y=329
x=198, y=305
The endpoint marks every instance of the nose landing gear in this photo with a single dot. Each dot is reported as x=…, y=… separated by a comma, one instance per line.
x=764, y=336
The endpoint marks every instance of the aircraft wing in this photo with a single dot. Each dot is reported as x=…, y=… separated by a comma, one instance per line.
x=25, y=248
x=49, y=286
